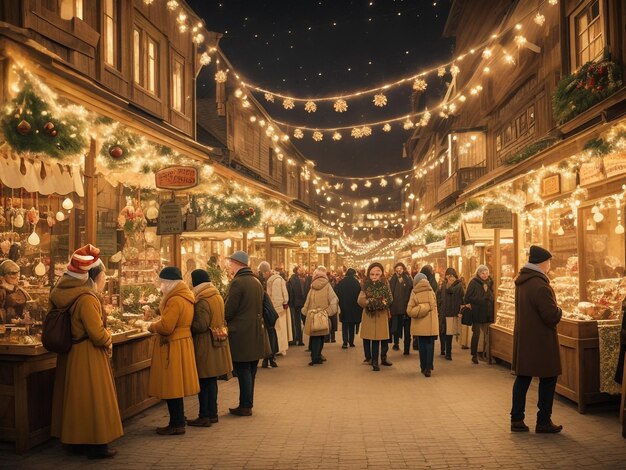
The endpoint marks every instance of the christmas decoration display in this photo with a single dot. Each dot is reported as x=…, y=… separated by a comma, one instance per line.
x=298, y=134
x=131, y=218
x=387, y=127
x=419, y=85
x=269, y=97
x=380, y=100
x=288, y=103
x=310, y=107
x=221, y=76
x=231, y=212
x=317, y=136
x=336, y=136
x=341, y=106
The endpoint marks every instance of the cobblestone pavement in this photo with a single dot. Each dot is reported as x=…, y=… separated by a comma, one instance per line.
x=343, y=415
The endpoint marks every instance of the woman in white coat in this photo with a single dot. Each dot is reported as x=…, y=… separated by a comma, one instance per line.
x=422, y=309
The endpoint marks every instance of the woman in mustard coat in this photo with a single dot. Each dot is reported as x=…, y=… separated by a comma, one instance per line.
x=173, y=373
x=85, y=413
x=213, y=358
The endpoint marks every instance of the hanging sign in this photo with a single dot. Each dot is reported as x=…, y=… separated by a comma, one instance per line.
x=322, y=245
x=551, y=185
x=170, y=221
x=176, y=177
x=497, y=216
x=591, y=172
x=615, y=164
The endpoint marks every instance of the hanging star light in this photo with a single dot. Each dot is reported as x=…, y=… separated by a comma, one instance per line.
x=387, y=127
x=221, y=76
x=357, y=133
x=310, y=107
x=354, y=186
x=366, y=131
x=553, y=2
x=338, y=186
x=205, y=59
x=419, y=85
x=408, y=124
x=172, y=5
x=487, y=53
x=454, y=70
x=340, y=106
x=336, y=136
x=539, y=19
x=441, y=71
x=380, y=100
x=367, y=184
x=198, y=39
x=317, y=136
x=288, y=103
x=298, y=134
x=383, y=183
x=269, y=97
x=398, y=180
x=425, y=118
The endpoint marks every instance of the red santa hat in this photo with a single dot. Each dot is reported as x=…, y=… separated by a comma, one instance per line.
x=83, y=260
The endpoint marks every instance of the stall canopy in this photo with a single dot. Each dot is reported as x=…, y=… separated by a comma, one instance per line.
x=278, y=242
x=473, y=232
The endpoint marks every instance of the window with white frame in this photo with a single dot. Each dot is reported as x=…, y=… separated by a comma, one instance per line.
x=587, y=33
x=69, y=9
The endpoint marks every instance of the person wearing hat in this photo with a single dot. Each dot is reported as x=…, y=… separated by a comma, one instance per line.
x=450, y=301
x=213, y=358
x=85, y=412
x=350, y=311
x=422, y=309
x=173, y=373
x=401, y=286
x=12, y=297
x=479, y=295
x=244, y=316
x=535, y=341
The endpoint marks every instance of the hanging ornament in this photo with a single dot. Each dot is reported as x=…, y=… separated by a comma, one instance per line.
x=152, y=213
x=380, y=100
x=310, y=107
x=67, y=204
x=366, y=131
x=198, y=39
x=553, y=2
x=454, y=70
x=53, y=132
x=288, y=103
x=354, y=186
x=420, y=85
x=598, y=217
x=33, y=239
x=23, y=127
x=317, y=136
x=383, y=183
x=32, y=215
x=48, y=126
x=408, y=124
x=221, y=76
x=205, y=58
x=441, y=71
x=40, y=269
x=357, y=133
x=251, y=210
x=340, y=106
x=425, y=118
x=298, y=134
x=336, y=136
x=172, y=5
x=539, y=19
x=50, y=219
x=269, y=97
x=116, y=151
x=619, y=229
x=367, y=184
x=387, y=127
x=60, y=216
x=18, y=221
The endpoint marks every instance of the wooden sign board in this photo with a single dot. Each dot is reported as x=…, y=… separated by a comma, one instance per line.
x=176, y=177
x=170, y=220
x=551, y=185
x=591, y=172
x=322, y=245
x=497, y=216
x=615, y=164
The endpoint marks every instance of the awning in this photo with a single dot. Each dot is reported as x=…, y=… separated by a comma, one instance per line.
x=277, y=242
x=37, y=176
x=211, y=235
x=475, y=232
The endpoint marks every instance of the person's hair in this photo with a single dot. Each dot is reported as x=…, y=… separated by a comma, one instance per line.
x=319, y=271
x=295, y=269
x=93, y=272
x=375, y=265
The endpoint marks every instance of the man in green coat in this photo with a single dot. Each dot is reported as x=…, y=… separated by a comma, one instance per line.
x=244, y=316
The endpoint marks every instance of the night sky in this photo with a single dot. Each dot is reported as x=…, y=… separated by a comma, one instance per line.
x=331, y=47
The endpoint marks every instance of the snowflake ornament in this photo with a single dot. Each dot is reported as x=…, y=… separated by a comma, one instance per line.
x=288, y=103
x=310, y=107
x=336, y=136
x=383, y=183
x=454, y=70
x=338, y=186
x=380, y=100
x=205, y=59
x=367, y=184
x=452, y=108
x=387, y=127
x=539, y=19
x=419, y=84
x=408, y=124
x=441, y=71
x=317, y=136
x=341, y=106
x=366, y=131
x=221, y=76
x=356, y=133
x=354, y=186
x=298, y=134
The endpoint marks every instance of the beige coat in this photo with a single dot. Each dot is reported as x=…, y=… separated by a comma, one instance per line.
x=422, y=309
x=277, y=290
x=321, y=296
x=374, y=325
x=211, y=360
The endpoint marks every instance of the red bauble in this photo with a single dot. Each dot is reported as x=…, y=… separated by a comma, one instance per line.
x=48, y=126
x=116, y=151
x=242, y=213
x=251, y=210
x=23, y=127
x=53, y=132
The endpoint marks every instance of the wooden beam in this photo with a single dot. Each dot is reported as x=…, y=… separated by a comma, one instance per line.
x=91, y=194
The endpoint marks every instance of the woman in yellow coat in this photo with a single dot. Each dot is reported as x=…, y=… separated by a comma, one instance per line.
x=85, y=413
x=422, y=309
x=173, y=373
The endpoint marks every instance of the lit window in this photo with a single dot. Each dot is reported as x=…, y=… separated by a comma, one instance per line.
x=137, y=56
x=587, y=33
x=69, y=9
x=151, y=84
x=109, y=32
x=177, y=86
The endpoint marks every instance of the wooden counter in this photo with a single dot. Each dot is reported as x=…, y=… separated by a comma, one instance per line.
x=27, y=381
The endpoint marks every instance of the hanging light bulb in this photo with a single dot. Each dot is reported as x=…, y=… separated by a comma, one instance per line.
x=60, y=216
x=67, y=204
x=598, y=216
x=33, y=239
x=18, y=221
x=619, y=229
x=40, y=269
x=560, y=231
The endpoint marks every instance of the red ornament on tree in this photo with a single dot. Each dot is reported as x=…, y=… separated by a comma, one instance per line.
x=242, y=213
x=251, y=210
x=23, y=127
x=48, y=126
x=116, y=151
x=53, y=132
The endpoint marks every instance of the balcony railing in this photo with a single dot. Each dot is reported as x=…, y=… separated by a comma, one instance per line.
x=460, y=179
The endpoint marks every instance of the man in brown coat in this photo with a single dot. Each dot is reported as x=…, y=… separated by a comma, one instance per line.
x=535, y=341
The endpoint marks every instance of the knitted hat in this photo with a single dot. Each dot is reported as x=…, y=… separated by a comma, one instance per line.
x=83, y=260
x=240, y=257
x=538, y=255
x=8, y=266
x=401, y=264
x=351, y=272
x=171, y=273
x=419, y=277
x=375, y=265
x=199, y=276
x=451, y=271
x=264, y=267
x=481, y=268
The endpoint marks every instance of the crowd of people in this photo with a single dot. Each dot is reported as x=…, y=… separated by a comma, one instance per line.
x=201, y=336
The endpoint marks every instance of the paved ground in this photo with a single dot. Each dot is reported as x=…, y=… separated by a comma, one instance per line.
x=343, y=415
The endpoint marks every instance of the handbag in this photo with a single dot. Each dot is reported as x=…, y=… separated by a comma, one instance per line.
x=270, y=315
x=219, y=335
x=319, y=321
x=466, y=315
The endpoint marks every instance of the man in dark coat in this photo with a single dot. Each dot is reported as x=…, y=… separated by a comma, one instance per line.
x=297, y=289
x=449, y=302
x=535, y=341
x=350, y=311
x=401, y=286
x=243, y=310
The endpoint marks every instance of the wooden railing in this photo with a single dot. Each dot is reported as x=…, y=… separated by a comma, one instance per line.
x=459, y=181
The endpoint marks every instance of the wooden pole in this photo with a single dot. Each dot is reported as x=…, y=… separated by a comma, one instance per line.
x=91, y=195
x=268, y=246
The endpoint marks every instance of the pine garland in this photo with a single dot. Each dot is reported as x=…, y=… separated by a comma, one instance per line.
x=299, y=227
x=229, y=213
x=529, y=151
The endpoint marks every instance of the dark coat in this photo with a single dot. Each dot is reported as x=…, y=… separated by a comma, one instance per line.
x=480, y=300
x=535, y=338
x=244, y=316
x=297, y=292
x=401, y=290
x=619, y=373
x=348, y=292
x=450, y=299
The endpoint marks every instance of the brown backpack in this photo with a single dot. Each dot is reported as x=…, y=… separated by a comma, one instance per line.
x=56, y=334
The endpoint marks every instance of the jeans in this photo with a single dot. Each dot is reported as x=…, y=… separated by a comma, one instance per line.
x=427, y=351
x=246, y=373
x=476, y=329
x=372, y=348
x=317, y=344
x=401, y=329
x=347, y=332
x=208, y=397
x=296, y=325
x=547, y=385
x=176, y=407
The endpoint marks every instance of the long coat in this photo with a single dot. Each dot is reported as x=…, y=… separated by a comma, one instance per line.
x=84, y=407
x=535, y=339
x=321, y=296
x=208, y=312
x=244, y=316
x=422, y=309
x=173, y=372
x=297, y=291
x=348, y=291
x=374, y=325
x=277, y=290
x=401, y=287
x=480, y=300
x=450, y=299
